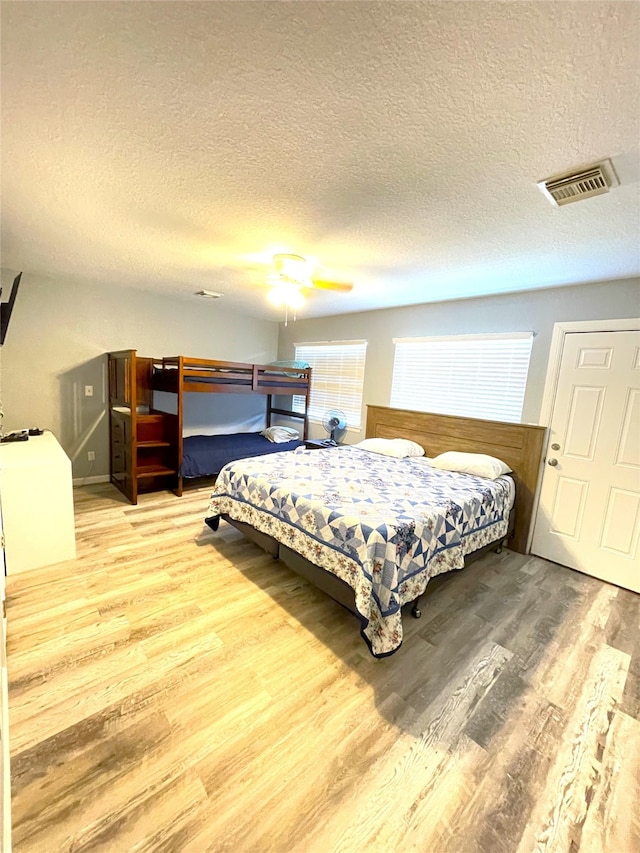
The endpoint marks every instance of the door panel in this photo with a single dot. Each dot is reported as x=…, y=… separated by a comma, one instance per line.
x=589, y=511
x=620, y=529
x=585, y=418
x=591, y=357
x=568, y=507
x=629, y=446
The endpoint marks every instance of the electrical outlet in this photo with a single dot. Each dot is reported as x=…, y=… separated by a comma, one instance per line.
x=91, y=456
x=88, y=390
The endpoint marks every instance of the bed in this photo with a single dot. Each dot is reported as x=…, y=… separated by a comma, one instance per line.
x=205, y=455
x=364, y=528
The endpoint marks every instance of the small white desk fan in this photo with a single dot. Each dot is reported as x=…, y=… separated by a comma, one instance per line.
x=334, y=421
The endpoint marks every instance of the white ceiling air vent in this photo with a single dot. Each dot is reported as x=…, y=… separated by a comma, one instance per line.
x=592, y=180
x=209, y=294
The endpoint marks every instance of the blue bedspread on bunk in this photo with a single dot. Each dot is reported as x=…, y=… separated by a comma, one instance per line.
x=205, y=455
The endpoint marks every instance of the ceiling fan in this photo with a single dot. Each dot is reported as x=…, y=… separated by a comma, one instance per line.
x=291, y=275
x=298, y=271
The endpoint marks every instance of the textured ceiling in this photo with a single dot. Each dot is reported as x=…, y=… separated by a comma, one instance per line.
x=175, y=146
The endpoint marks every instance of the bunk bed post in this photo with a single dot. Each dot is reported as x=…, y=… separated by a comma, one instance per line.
x=180, y=413
x=119, y=424
x=132, y=372
x=307, y=396
x=123, y=422
x=131, y=400
x=269, y=407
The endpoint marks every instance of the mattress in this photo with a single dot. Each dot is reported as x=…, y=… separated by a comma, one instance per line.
x=205, y=455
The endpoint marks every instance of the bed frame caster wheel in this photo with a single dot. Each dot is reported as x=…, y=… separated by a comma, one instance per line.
x=416, y=612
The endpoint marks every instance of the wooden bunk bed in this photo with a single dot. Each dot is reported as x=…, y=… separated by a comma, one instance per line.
x=147, y=443
x=181, y=375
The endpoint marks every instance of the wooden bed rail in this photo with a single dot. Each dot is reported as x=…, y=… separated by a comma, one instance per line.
x=228, y=377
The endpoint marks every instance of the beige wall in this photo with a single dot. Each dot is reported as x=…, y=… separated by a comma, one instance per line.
x=60, y=331
x=535, y=311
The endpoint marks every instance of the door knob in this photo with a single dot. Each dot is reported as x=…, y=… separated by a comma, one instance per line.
x=552, y=462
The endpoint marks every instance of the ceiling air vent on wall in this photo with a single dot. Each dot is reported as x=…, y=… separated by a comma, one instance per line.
x=592, y=180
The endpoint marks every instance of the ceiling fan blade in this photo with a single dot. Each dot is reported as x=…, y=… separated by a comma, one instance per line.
x=326, y=284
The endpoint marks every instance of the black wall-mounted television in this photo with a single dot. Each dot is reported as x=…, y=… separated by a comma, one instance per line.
x=7, y=307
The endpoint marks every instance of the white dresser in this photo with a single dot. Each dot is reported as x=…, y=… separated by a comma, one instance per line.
x=36, y=494
x=36, y=520
x=5, y=778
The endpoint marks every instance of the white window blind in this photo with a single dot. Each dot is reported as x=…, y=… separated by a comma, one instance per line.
x=481, y=376
x=337, y=378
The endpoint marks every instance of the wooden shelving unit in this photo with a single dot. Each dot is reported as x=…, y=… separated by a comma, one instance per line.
x=144, y=443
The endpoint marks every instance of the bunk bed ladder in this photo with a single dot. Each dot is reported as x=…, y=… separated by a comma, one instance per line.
x=143, y=440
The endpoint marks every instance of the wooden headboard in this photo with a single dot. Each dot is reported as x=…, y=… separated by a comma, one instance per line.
x=519, y=445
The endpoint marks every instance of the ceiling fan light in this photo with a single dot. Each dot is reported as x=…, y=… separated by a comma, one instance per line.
x=286, y=293
x=296, y=299
x=292, y=267
x=274, y=296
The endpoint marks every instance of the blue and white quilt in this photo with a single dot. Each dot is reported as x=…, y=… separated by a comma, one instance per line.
x=383, y=525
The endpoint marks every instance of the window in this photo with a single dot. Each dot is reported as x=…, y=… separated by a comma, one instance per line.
x=481, y=376
x=336, y=380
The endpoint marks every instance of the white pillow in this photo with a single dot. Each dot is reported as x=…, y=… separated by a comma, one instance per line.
x=411, y=447
x=397, y=447
x=478, y=464
x=280, y=434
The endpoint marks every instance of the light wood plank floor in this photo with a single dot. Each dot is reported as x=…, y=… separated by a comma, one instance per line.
x=177, y=690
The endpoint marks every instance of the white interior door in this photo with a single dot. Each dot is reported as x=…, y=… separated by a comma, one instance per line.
x=589, y=511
